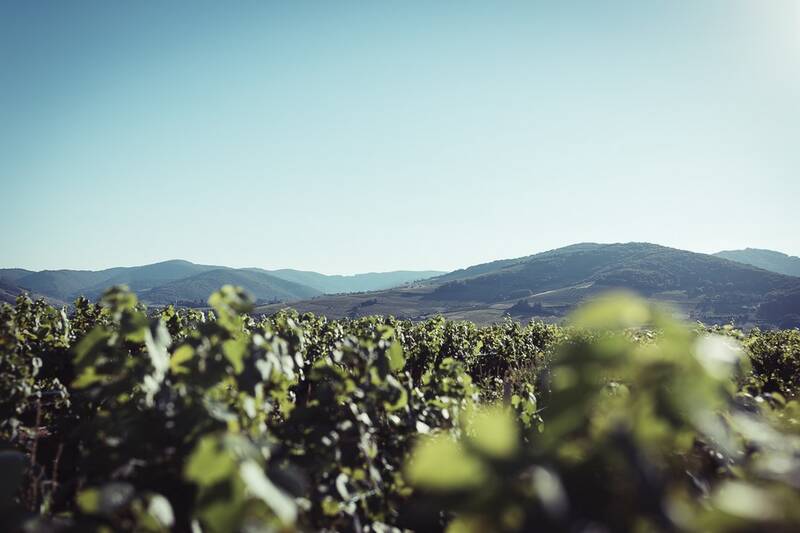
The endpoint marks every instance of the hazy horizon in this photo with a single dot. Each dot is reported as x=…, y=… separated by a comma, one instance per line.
x=347, y=138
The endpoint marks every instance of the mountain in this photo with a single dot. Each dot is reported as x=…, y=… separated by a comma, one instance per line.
x=68, y=284
x=643, y=267
x=148, y=276
x=373, y=281
x=195, y=290
x=499, y=265
x=549, y=284
x=8, y=291
x=183, y=281
x=766, y=259
x=546, y=285
x=61, y=284
x=11, y=275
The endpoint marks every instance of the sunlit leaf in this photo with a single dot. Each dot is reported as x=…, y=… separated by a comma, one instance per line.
x=493, y=431
x=441, y=463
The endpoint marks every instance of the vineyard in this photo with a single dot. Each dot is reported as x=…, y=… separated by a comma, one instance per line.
x=114, y=417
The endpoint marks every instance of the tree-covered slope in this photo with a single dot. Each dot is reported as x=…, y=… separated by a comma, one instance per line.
x=372, y=281
x=766, y=259
x=148, y=276
x=11, y=275
x=646, y=268
x=502, y=265
x=170, y=277
x=68, y=284
x=8, y=292
x=195, y=289
x=549, y=284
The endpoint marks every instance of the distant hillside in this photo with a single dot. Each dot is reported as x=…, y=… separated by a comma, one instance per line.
x=497, y=266
x=11, y=275
x=186, y=282
x=148, y=276
x=766, y=259
x=196, y=289
x=8, y=291
x=69, y=284
x=646, y=268
x=62, y=284
x=549, y=284
x=373, y=281
x=545, y=285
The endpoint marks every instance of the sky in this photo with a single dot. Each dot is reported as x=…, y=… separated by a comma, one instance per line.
x=347, y=137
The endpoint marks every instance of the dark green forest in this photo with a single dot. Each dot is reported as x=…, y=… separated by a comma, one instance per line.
x=116, y=417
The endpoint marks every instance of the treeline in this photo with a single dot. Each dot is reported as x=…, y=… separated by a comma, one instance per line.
x=114, y=418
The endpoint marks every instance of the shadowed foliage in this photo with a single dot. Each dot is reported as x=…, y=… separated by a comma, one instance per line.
x=119, y=418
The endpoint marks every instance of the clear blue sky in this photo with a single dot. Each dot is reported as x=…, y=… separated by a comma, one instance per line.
x=345, y=137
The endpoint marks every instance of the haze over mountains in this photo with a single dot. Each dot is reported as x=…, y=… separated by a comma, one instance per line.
x=717, y=288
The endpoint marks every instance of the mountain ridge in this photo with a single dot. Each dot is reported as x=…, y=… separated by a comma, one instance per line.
x=195, y=289
x=634, y=265
x=172, y=281
x=544, y=285
x=549, y=284
x=762, y=258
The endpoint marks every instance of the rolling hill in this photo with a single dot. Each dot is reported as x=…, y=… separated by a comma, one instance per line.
x=9, y=288
x=148, y=276
x=190, y=283
x=8, y=291
x=549, y=284
x=643, y=267
x=372, y=281
x=545, y=285
x=11, y=275
x=194, y=290
x=766, y=259
x=61, y=284
x=65, y=285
